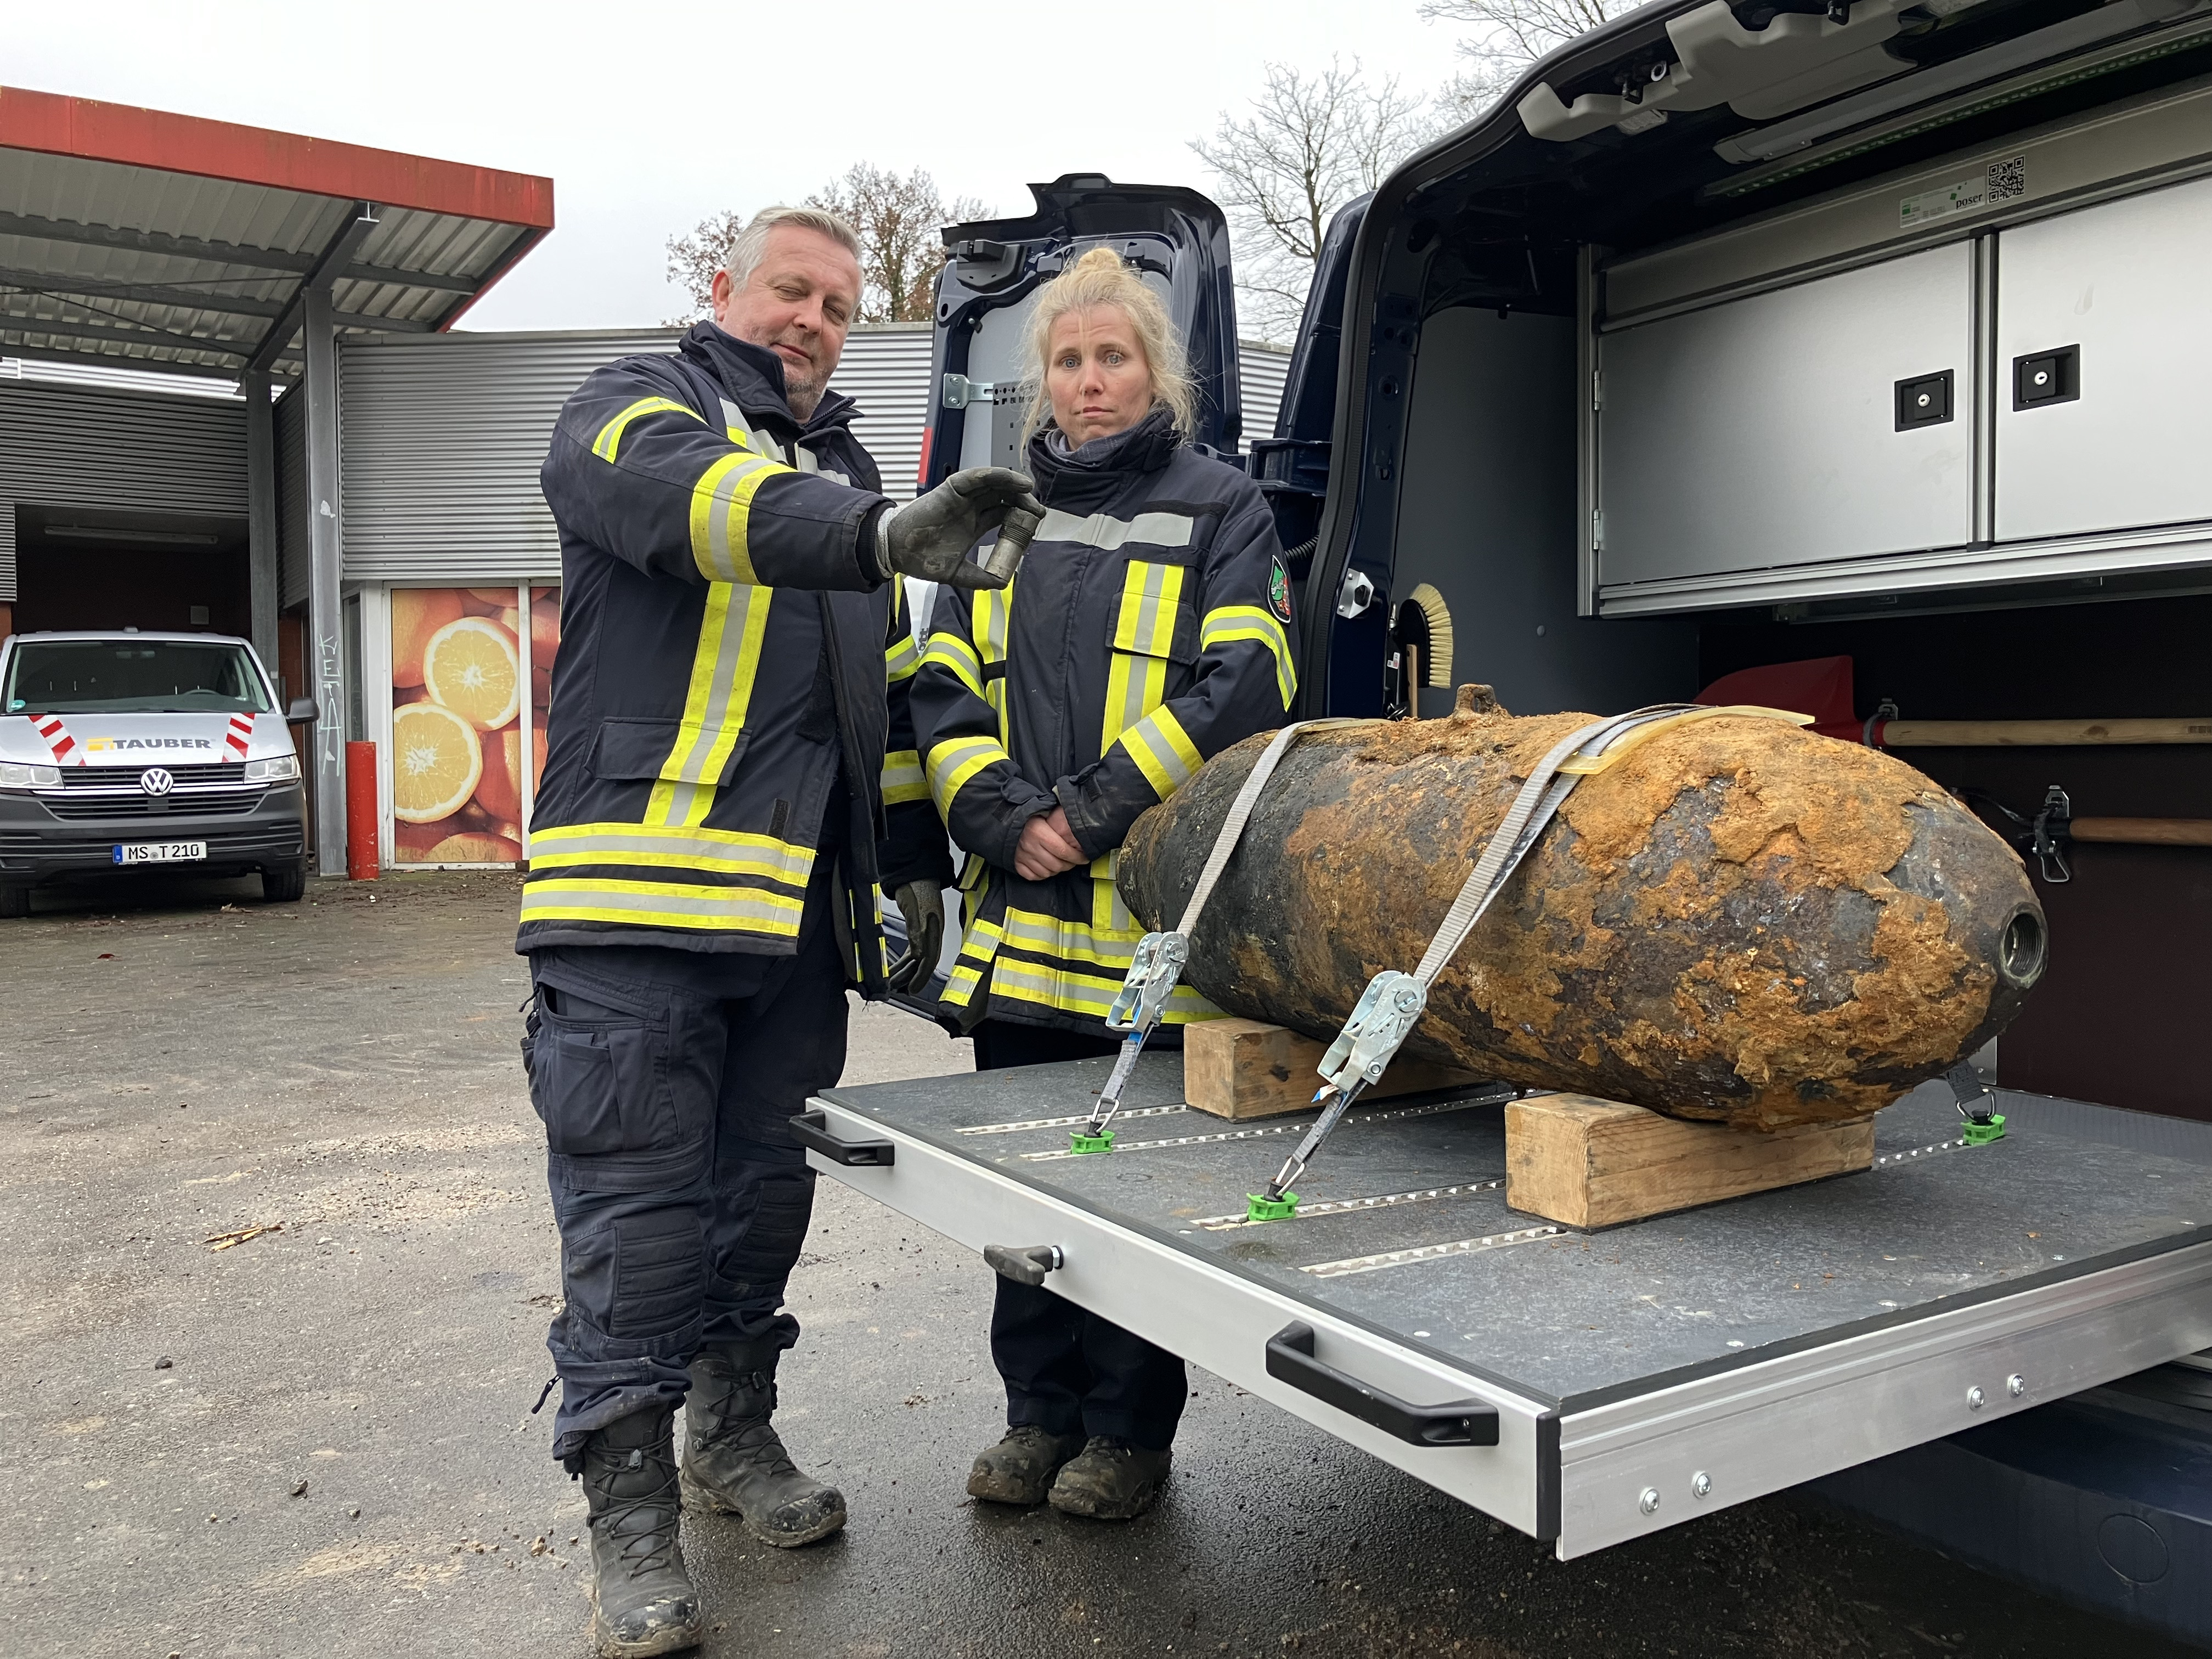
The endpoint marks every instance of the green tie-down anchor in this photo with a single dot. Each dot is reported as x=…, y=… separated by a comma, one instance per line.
x=1976, y=1099
x=1153, y=969
x=1354, y=1063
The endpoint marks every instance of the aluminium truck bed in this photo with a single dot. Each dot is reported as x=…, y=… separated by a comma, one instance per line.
x=1638, y=1376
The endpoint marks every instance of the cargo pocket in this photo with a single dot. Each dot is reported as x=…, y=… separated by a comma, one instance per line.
x=635, y=750
x=600, y=1083
x=661, y=1265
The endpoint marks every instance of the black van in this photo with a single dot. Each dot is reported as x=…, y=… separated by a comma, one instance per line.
x=1861, y=334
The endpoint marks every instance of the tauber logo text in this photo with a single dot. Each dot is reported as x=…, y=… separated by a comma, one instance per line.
x=94, y=746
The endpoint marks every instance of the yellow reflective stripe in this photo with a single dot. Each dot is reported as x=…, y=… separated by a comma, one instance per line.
x=970, y=967
x=902, y=779
x=1135, y=686
x=1249, y=622
x=611, y=434
x=955, y=761
x=731, y=852
x=953, y=653
x=723, y=665
x=1107, y=913
x=662, y=904
x=1150, y=596
x=900, y=659
x=989, y=610
x=986, y=620
x=1084, y=994
x=1163, y=750
x=721, y=501
x=1071, y=941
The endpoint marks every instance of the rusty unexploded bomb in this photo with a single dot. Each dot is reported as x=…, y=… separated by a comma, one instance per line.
x=1740, y=921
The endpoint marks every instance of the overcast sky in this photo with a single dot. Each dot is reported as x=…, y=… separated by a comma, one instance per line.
x=650, y=115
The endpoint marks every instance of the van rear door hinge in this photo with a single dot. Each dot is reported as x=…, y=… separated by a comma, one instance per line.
x=960, y=392
x=1597, y=390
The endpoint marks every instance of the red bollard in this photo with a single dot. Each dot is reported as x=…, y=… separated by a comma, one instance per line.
x=360, y=811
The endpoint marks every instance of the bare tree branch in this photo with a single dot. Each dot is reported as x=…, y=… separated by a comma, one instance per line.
x=693, y=260
x=897, y=220
x=1311, y=143
x=1505, y=36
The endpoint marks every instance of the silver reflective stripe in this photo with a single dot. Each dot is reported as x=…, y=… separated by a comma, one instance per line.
x=1148, y=609
x=1101, y=530
x=762, y=444
x=738, y=624
x=808, y=461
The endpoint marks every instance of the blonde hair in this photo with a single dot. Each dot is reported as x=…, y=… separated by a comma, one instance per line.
x=1100, y=278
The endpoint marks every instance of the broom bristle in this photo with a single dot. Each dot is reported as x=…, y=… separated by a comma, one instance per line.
x=1437, y=667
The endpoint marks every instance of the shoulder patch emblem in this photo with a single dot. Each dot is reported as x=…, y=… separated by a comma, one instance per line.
x=1278, y=588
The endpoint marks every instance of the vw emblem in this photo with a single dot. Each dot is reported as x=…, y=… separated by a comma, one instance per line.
x=156, y=781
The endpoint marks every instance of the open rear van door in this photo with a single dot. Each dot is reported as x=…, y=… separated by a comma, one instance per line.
x=980, y=383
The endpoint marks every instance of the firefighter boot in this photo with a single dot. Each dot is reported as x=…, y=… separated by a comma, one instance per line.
x=1112, y=1481
x=1020, y=1468
x=642, y=1602
x=733, y=1460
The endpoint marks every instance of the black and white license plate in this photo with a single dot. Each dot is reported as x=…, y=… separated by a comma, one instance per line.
x=160, y=852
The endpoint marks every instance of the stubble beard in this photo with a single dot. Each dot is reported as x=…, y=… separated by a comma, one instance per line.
x=802, y=392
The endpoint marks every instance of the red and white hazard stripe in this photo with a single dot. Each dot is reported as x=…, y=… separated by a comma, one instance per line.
x=242, y=730
x=50, y=727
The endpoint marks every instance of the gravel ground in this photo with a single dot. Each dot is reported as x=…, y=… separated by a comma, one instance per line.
x=318, y=1439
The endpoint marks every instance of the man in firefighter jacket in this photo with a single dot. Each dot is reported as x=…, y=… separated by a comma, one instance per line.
x=730, y=774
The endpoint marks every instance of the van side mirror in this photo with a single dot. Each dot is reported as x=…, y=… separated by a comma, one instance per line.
x=300, y=709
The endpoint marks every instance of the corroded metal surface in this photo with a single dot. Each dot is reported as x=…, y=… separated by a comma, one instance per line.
x=1740, y=921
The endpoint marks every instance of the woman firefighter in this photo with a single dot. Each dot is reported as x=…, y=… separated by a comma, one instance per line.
x=1149, y=629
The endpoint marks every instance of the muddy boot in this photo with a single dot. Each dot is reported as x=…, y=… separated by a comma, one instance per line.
x=642, y=1602
x=1112, y=1481
x=734, y=1461
x=1020, y=1468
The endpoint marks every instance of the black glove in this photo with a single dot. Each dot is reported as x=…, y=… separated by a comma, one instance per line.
x=923, y=906
x=930, y=536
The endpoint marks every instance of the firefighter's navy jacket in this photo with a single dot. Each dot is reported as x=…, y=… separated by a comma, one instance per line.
x=728, y=649
x=1149, y=628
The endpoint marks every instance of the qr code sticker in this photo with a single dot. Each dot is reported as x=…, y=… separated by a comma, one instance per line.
x=2008, y=178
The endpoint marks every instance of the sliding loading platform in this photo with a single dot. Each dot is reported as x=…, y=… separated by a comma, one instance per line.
x=1585, y=1388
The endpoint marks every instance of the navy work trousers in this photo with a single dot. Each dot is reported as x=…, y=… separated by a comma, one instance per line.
x=681, y=1195
x=1066, y=1370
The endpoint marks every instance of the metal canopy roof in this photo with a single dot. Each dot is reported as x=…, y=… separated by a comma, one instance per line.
x=133, y=236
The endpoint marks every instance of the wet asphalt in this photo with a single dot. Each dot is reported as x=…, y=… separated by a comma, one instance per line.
x=187, y=1064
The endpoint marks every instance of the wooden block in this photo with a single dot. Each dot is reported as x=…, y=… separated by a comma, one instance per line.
x=1240, y=1068
x=1589, y=1163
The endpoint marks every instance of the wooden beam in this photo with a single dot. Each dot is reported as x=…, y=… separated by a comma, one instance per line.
x=1240, y=1068
x=1588, y=1163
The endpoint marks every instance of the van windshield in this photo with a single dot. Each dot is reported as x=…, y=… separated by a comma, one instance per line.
x=84, y=676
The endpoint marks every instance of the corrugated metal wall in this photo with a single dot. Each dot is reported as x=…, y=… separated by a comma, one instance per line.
x=131, y=450
x=885, y=369
x=1262, y=370
x=442, y=438
x=293, y=553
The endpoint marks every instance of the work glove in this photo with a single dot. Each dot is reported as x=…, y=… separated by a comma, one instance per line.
x=923, y=906
x=930, y=536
